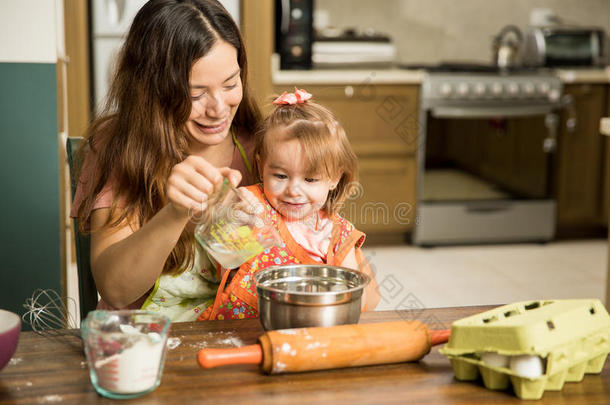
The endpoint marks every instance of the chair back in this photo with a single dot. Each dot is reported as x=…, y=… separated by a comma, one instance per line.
x=86, y=285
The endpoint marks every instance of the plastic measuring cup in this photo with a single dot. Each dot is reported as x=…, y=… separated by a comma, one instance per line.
x=125, y=351
x=231, y=229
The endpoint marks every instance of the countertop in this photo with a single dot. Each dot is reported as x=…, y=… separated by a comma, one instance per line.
x=584, y=75
x=351, y=76
x=54, y=370
x=402, y=76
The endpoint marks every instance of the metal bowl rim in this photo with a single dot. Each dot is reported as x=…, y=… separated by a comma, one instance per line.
x=365, y=277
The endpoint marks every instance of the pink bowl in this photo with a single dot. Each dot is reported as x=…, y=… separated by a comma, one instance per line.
x=10, y=326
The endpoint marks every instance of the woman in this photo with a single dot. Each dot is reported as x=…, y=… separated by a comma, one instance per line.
x=178, y=118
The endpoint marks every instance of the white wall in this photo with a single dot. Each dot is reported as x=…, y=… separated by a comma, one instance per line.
x=429, y=31
x=28, y=31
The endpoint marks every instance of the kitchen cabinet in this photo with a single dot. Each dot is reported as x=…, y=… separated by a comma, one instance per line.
x=257, y=24
x=605, y=130
x=381, y=123
x=580, y=158
x=606, y=174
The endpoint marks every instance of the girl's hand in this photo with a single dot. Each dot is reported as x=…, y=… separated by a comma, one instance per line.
x=250, y=209
x=192, y=181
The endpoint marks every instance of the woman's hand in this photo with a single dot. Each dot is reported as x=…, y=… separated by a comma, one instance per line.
x=126, y=260
x=191, y=182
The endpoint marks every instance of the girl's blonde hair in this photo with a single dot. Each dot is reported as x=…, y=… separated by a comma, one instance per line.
x=324, y=144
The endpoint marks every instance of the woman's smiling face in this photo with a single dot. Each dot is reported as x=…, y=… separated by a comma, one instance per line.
x=216, y=91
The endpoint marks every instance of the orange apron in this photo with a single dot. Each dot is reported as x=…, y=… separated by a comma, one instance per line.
x=238, y=300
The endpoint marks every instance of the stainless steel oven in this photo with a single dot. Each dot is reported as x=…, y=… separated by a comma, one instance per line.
x=485, y=162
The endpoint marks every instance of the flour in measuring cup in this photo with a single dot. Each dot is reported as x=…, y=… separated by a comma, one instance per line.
x=230, y=259
x=133, y=369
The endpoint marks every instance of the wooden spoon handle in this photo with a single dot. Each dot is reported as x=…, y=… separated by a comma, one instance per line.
x=209, y=358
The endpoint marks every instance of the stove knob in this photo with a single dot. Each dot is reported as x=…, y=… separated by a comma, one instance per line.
x=529, y=89
x=296, y=51
x=497, y=89
x=513, y=89
x=544, y=87
x=297, y=13
x=446, y=89
x=554, y=95
x=480, y=89
x=463, y=89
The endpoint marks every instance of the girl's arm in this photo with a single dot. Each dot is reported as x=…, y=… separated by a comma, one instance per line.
x=356, y=260
x=127, y=260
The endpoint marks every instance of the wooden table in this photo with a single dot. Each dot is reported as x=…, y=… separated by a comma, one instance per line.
x=51, y=371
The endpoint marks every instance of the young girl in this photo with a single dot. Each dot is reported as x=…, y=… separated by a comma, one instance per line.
x=306, y=165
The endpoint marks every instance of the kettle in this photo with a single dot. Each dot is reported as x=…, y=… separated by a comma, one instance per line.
x=507, y=47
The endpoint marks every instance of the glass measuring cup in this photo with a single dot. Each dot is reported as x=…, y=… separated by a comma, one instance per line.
x=125, y=351
x=231, y=229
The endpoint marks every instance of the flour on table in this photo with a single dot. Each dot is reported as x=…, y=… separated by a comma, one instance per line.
x=214, y=339
x=51, y=398
x=232, y=340
x=15, y=360
x=173, y=342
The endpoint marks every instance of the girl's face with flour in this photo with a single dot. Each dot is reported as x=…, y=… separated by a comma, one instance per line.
x=293, y=189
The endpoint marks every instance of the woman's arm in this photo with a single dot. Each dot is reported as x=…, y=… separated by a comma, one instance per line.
x=126, y=261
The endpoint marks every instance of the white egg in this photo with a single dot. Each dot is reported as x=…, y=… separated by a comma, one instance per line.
x=494, y=359
x=527, y=365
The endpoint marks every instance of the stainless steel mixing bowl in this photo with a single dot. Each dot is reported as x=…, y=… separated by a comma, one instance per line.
x=299, y=296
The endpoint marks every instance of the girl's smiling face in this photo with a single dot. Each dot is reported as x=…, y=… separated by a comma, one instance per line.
x=216, y=91
x=290, y=187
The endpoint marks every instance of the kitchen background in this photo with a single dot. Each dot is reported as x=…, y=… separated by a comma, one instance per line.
x=440, y=30
x=45, y=99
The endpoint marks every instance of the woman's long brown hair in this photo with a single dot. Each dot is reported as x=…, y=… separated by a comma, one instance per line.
x=142, y=133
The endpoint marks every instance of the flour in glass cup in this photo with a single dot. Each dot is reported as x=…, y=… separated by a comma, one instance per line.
x=133, y=369
x=228, y=259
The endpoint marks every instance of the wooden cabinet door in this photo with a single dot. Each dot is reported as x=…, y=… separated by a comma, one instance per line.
x=606, y=173
x=606, y=198
x=580, y=153
x=384, y=199
x=378, y=119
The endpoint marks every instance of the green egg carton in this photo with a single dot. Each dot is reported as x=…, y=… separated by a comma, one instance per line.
x=571, y=336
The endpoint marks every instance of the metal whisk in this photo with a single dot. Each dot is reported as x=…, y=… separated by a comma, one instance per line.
x=47, y=313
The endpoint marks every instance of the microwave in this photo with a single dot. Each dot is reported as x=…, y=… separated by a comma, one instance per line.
x=294, y=33
x=564, y=46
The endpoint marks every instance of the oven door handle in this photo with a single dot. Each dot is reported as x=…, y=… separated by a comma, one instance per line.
x=487, y=208
x=490, y=112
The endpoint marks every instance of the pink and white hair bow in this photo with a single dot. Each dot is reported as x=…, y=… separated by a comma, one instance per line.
x=298, y=97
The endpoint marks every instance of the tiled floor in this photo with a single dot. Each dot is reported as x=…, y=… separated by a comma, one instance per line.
x=478, y=275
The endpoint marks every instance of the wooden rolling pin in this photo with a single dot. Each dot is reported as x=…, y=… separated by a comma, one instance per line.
x=306, y=349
